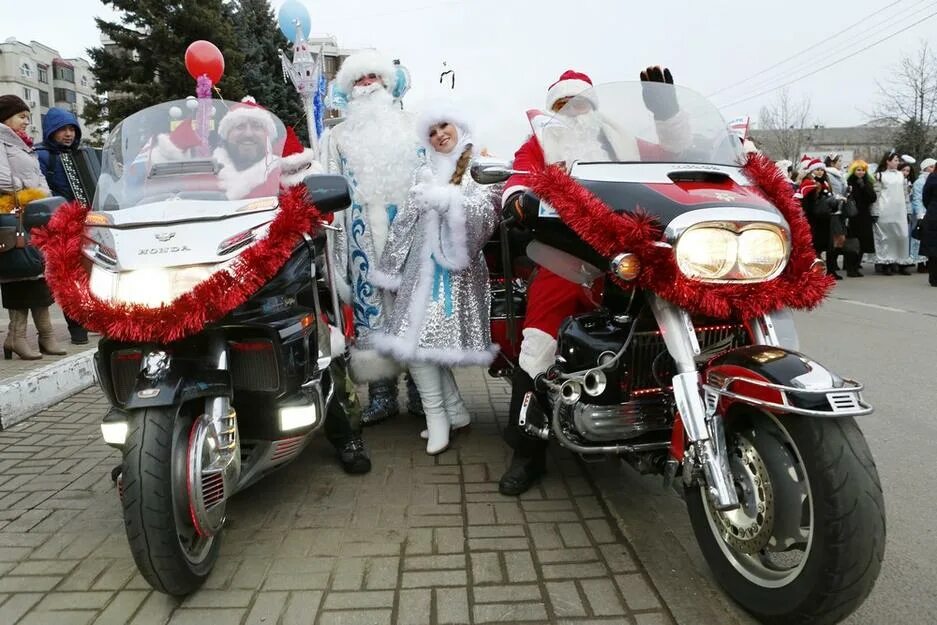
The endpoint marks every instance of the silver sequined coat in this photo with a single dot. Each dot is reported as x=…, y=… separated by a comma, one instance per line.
x=433, y=259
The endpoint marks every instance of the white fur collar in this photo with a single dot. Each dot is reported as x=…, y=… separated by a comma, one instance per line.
x=237, y=184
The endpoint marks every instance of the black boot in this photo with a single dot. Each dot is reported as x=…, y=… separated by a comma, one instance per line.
x=522, y=474
x=414, y=403
x=354, y=457
x=383, y=406
x=902, y=270
x=852, y=265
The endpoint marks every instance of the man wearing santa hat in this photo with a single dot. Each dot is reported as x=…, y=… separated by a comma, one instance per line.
x=249, y=166
x=584, y=134
x=375, y=148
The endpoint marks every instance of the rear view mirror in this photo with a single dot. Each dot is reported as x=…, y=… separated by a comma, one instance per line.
x=490, y=171
x=39, y=212
x=328, y=192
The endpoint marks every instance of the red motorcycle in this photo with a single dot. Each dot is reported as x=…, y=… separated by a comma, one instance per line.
x=689, y=365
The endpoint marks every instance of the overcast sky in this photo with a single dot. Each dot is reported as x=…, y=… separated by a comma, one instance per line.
x=506, y=52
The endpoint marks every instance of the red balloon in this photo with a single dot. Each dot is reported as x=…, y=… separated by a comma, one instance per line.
x=204, y=57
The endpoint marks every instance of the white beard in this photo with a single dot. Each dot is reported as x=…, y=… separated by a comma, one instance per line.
x=379, y=142
x=578, y=139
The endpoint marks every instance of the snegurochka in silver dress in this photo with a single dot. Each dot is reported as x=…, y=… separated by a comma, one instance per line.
x=433, y=260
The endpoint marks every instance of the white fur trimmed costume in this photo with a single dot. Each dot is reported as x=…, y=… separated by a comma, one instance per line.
x=433, y=261
x=376, y=150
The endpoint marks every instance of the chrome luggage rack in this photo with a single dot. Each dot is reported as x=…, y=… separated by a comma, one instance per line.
x=844, y=401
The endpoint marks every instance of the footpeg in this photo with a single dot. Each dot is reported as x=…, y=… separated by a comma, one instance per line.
x=531, y=419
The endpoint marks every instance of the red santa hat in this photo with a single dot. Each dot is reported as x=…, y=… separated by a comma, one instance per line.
x=361, y=64
x=174, y=145
x=247, y=109
x=570, y=84
x=814, y=164
x=297, y=161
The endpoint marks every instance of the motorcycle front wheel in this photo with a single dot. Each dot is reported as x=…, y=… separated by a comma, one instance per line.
x=170, y=554
x=807, y=542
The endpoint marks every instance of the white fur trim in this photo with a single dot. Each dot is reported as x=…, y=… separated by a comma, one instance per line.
x=242, y=112
x=509, y=191
x=367, y=365
x=447, y=237
x=166, y=151
x=237, y=184
x=336, y=341
x=296, y=167
x=675, y=133
x=362, y=63
x=399, y=348
x=538, y=352
x=437, y=112
x=569, y=89
x=383, y=280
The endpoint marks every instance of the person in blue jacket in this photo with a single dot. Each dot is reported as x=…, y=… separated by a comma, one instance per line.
x=60, y=133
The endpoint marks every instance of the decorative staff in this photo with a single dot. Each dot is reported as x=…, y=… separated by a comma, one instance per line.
x=205, y=64
x=305, y=70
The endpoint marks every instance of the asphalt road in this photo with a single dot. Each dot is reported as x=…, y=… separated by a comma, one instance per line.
x=881, y=331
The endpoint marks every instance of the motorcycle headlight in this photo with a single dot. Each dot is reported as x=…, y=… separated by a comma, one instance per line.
x=725, y=253
x=150, y=287
x=762, y=253
x=707, y=253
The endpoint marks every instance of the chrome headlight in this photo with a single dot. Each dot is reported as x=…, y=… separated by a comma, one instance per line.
x=150, y=287
x=723, y=252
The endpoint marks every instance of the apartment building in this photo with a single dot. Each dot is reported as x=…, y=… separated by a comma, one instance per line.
x=39, y=75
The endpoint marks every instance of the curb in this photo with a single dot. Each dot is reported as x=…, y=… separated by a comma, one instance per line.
x=26, y=394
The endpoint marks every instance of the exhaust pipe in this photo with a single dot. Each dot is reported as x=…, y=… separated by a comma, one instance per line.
x=594, y=382
x=570, y=392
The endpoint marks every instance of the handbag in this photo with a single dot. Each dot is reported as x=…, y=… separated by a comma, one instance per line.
x=918, y=231
x=18, y=259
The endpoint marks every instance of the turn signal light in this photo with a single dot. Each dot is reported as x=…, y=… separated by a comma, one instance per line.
x=818, y=267
x=626, y=266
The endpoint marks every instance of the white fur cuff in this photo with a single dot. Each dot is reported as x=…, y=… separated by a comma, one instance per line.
x=384, y=280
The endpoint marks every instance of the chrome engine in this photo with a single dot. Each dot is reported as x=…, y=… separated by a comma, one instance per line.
x=621, y=421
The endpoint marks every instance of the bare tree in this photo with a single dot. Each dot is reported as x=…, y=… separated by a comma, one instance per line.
x=783, y=125
x=908, y=99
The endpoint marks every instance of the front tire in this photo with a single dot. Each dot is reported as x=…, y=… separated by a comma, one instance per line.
x=807, y=544
x=169, y=552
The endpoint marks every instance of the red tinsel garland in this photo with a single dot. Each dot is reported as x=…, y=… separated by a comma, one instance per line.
x=61, y=243
x=612, y=233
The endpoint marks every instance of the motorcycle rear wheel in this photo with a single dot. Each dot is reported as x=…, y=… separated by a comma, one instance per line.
x=807, y=544
x=168, y=551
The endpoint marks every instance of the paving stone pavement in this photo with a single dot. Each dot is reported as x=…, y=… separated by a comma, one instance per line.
x=420, y=540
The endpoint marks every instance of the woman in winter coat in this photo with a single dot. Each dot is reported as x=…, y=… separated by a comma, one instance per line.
x=835, y=175
x=890, y=218
x=860, y=186
x=433, y=260
x=929, y=227
x=20, y=175
x=918, y=209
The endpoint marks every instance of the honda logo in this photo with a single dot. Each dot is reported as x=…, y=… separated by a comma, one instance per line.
x=164, y=236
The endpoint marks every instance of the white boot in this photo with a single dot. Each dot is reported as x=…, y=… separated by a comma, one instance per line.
x=429, y=382
x=456, y=410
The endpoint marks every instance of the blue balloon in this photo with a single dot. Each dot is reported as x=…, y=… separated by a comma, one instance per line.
x=292, y=11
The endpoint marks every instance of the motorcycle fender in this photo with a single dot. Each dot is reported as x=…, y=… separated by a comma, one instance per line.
x=775, y=365
x=172, y=389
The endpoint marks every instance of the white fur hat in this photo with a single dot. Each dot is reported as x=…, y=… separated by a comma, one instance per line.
x=361, y=64
x=438, y=111
x=928, y=162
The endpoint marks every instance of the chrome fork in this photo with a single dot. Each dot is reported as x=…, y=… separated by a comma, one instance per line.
x=705, y=430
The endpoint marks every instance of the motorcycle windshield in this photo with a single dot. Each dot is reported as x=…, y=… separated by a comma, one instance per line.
x=616, y=123
x=208, y=150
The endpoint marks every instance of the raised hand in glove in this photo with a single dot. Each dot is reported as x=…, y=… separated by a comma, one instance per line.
x=659, y=99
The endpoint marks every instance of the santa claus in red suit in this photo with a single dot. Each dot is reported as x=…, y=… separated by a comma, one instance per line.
x=249, y=164
x=585, y=134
